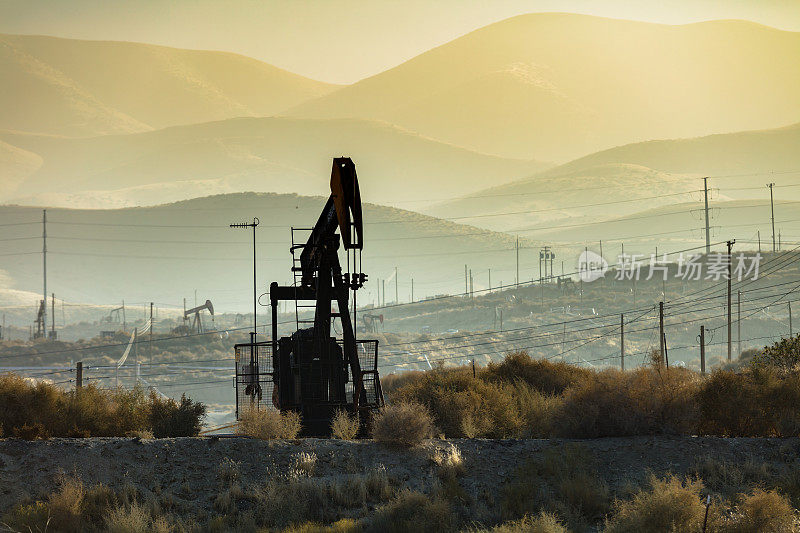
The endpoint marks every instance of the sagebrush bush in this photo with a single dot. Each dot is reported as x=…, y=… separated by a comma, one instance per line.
x=169, y=418
x=761, y=510
x=755, y=402
x=463, y=406
x=669, y=505
x=413, y=511
x=542, y=375
x=344, y=426
x=41, y=410
x=404, y=424
x=643, y=401
x=269, y=424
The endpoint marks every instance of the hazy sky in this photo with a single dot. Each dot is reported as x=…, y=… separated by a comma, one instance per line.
x=339, y=41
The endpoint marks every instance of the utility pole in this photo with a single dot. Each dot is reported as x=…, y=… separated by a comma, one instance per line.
x=739, y=322
x=471, y=287
x=383, y=292
x=730, y=345
x=44, y=272
x=791, y=332
x=759, y=241
x=772, y=214
x=412, y=290
x=396, y=292
x=661, y=328
x=124, y=320
x=702, y=350
x=708, y=233
x=466, y=281
x=53, y=317
x=621, y=341
x=517, y=247
x=150, y=343
x=254, y=224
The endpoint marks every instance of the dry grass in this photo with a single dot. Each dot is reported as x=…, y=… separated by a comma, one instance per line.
x=563, y=481
x=540, y=523
x=669, y=505
x=344, y=426
x=404, y=424
x=267, y=424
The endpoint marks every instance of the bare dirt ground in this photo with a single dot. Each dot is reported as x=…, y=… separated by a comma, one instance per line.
x=187, y=468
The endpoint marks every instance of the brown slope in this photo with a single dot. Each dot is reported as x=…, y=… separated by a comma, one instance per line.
x=555, y=86
x=73, y=87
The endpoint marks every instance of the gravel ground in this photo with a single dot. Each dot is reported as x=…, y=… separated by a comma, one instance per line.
x=187, y=467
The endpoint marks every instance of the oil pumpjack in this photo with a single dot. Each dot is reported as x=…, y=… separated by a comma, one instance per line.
x=312, y=372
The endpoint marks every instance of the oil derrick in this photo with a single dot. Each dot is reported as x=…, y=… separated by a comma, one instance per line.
x=312, y=372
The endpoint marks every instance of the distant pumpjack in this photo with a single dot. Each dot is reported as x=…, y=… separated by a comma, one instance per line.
x=312, y=372
x=197, y=320
x=370, y=322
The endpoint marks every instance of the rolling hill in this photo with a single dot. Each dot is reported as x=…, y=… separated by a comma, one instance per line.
x=557, y=86
x=762, y=151
x=639, y=171
x=259, y=154
x=79, y=88
x=163, y=253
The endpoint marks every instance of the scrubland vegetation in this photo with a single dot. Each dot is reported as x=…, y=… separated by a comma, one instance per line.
x=557, y=491
x=563, y=488
x=521, y=397
x=42, y=410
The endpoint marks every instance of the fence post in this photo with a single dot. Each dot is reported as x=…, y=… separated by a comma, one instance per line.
x=79, y=375
x=702, y=350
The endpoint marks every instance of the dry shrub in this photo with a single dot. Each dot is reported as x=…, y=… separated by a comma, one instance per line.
x=537, y=410
x=169, y=418
x=304, y=464
x=41, y=410
x=463, y=406
x=544, y=376
x=344, y=426
x=640, y=402
x=669, y=505
x=136, y=518
x=732, y=478
x=268, y=424
x=540, y=523
x=759, y=402
x=30, y=517
x=448, y=461
x=760, y=510
x=404, y=424
x=66, y=504
x=413, y=511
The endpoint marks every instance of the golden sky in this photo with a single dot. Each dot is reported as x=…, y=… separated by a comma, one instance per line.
x=340, y=41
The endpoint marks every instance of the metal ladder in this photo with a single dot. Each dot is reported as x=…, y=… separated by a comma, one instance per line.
x=297, y=272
